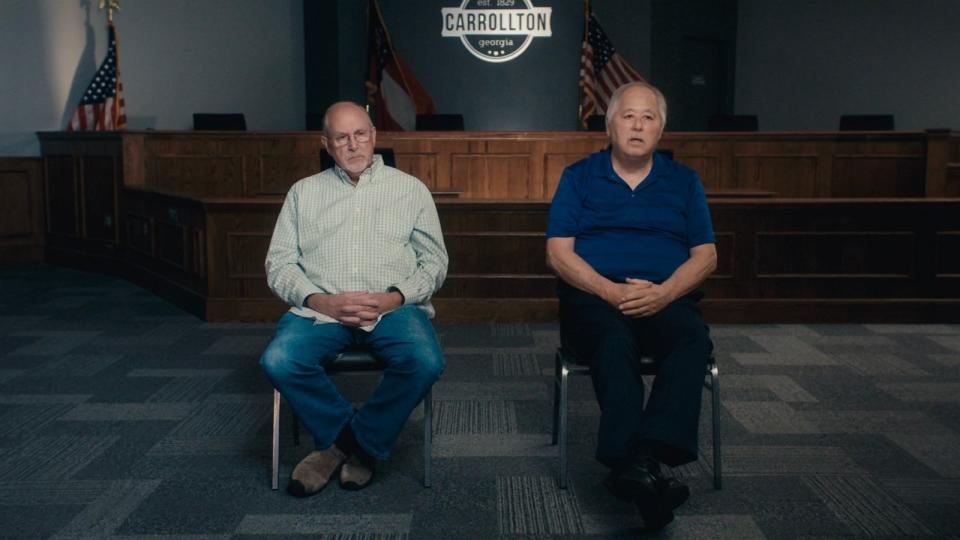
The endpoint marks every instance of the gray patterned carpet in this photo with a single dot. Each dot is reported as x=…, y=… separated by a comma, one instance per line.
x=123, y=417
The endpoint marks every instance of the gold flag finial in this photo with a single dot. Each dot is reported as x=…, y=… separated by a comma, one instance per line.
x=110, y=5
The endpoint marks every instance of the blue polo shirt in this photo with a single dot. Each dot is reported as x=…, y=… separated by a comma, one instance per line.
x=643, y=233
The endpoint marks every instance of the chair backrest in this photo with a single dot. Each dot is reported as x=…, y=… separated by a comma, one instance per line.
x=389, y=158
x=665, y=152
x=733, y=122
x=596, y=122
x=219, y=122
x=866, y=122
x=314, y=121
x=439, y=122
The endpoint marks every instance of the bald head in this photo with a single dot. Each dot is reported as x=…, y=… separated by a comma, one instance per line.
x=340, y=107
x=349, y=137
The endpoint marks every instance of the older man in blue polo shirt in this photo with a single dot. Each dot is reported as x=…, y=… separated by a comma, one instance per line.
x=631, y=239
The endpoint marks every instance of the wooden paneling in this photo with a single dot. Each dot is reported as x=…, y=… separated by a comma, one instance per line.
x=277, y=170
x=21, y=210
x=199, y=176
x=942, y=150
x=835, y=254
x=824, y=249
x=162, y=251
x=278, y=162
x=952, y=182
x=171, y=244
x=798, y=260
x=785, y=175
x=527, y=166
x=424, y=167
x=63, y=204
x=497, y=253
x=948, y=254
x=553, y=166
x=709, y=169
x=795, y=255
x=99, y=182
x=246, y=252
x=726, y=247
x=139, y=234
x=238, y=234
x=878, y=176
x=485, y=176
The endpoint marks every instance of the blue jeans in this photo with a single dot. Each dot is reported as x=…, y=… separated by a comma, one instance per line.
x=406, y=342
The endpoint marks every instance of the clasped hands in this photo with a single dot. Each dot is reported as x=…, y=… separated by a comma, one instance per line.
x=638, y=297
x=355, y=308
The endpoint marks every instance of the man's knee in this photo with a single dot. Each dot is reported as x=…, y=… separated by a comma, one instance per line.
x=425, y=360
x=613, y=344
x=685, y=325
x=431, y=364
x=275, y=361
x=420, y=351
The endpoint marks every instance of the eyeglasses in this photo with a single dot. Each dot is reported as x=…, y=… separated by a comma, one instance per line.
x=360, y=135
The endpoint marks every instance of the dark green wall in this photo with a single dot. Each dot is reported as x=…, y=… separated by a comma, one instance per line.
x=538, y=90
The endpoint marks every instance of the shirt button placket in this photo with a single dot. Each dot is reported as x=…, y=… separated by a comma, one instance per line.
x=356, y=232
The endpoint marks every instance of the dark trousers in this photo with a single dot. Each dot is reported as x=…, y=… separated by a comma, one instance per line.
x=611, y=344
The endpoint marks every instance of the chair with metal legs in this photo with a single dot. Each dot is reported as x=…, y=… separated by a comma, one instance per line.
x=351, y=361
x=566, y=366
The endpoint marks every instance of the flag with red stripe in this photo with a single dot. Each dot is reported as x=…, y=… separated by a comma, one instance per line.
x=102, y=106
x=393, y=93
x=602, y=70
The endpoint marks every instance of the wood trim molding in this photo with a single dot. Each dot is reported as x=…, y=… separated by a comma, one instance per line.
x=21, y=210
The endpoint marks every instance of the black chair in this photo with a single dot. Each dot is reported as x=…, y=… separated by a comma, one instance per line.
x=389, y=158
x=219, y=122
x=350, y=361
x=566, y=365
x=439, y=122
x=666, y=152
x=314, y=121
x=866, y=122
x=733, y=122
x=596, y=122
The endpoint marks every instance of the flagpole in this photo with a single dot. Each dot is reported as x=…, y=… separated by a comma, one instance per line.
x=586, y=30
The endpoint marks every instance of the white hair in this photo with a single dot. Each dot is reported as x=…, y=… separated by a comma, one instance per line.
x=618, y=93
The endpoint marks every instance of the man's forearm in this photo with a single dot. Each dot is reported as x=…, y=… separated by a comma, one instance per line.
x=575, y=271
x=689, y=275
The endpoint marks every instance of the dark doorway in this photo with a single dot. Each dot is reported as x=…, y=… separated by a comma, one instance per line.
x=702, y=84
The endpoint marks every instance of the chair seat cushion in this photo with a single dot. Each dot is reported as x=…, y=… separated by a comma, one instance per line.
x=355, y=360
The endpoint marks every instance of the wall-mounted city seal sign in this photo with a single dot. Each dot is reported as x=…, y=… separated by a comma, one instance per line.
x=496, y=30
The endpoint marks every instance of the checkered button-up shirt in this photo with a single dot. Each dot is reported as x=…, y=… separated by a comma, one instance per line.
x=334, y=236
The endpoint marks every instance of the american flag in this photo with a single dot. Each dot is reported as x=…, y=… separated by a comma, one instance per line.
x=602, y=70
x=102, y=107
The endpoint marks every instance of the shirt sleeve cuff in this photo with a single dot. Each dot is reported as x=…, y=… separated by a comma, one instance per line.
x=397, y=289
x=302, y=295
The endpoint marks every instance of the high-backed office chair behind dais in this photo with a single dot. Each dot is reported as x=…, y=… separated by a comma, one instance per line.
x=866, y=122
x=566, y=365
x=389, y=158
x=733, y=122
x=352, y=361
x=219, y=122
x=439, y=122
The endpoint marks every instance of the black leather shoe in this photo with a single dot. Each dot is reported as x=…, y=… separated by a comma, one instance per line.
x=639, y=482
x=672, y=489
x=675, y=492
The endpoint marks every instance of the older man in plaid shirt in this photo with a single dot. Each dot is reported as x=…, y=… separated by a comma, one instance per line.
x=357, y=253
